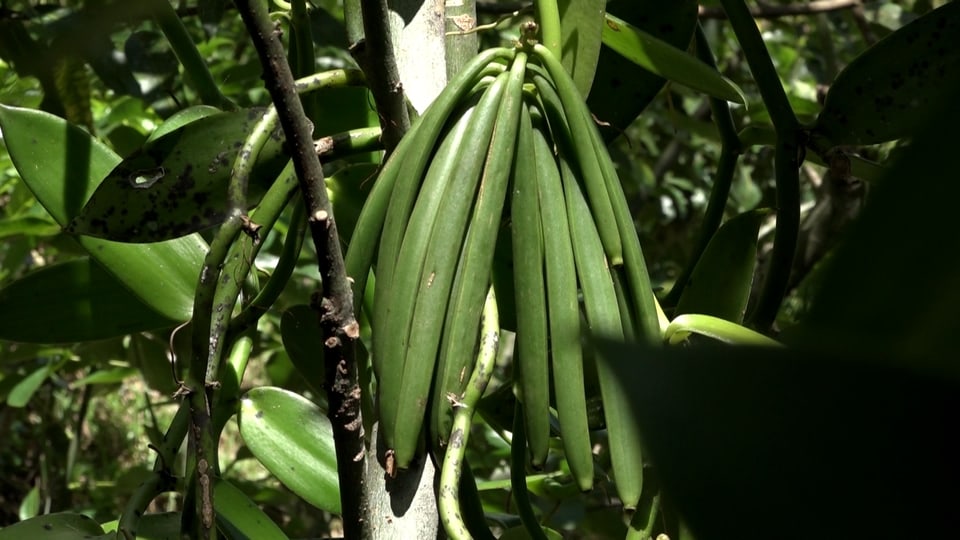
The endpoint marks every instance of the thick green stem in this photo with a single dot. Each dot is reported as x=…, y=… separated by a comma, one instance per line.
x=193, y=64
x=548, y=17
x=729, y=154
x=786, y=158
x=518, y=476
x=453, y=459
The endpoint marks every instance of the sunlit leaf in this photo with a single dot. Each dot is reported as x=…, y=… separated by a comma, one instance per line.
x=667, y=61
x=163, y=275
x=294, y=440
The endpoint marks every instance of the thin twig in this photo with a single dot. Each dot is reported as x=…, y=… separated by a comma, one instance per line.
x=334, y=300
x=774, y=12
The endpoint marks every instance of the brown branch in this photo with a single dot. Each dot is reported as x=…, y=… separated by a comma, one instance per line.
x=334, y=299
x=377, y=58
x=773, y=12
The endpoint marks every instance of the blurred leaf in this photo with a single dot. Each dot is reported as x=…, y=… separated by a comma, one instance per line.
x=76, y=300
x=580, y=23
x=721, y=280
x=30, y=506
x=621, y=88
x=20, y=394
x=106, y=376
x=747, y=440
x=29, y=226
x=177, y=184
x=886, y=90
x=163, y=275
x=293, y=439
x=667, y=61
x=300, y=330
x=60, y=526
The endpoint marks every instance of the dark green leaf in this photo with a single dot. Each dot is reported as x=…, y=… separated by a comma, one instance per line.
x=165, y=526
x=581, y=22
x=886, y=90
x=300, y=329
x=721, y=281
x=73, y=301
x=893, y=285
x=750, y=441
x=177, y=184
x=623, y=89
x=61, y=526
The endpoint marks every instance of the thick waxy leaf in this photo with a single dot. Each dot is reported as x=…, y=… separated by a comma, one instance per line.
x=62, y=165
x=239, y=517
x=667, y=61
x=623, y=89
x=61, y=526
x=73, y=301
x=884, y=92
x=177, y=184
x=746, y=440
x=182, y=118
x=721, y=281
x=580, y=23
x=293, y=439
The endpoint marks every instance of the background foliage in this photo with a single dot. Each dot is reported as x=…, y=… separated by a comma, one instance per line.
x=75, y=417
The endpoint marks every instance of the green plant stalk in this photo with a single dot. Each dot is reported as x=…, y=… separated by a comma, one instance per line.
x=448, y=499
x=786, y=160
x=761, y=65
x=787, y=168
x=301, y=52
x=461, y=42
x=186, y=52
x=355, y=141
x=729, y=154
x=518, y=476
x=278, y=279
x=548, y=16
x=229, y=391
x=246, y=158
x=642, y=523
x=715, y=328
x=223, y=272
x=161, y=479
